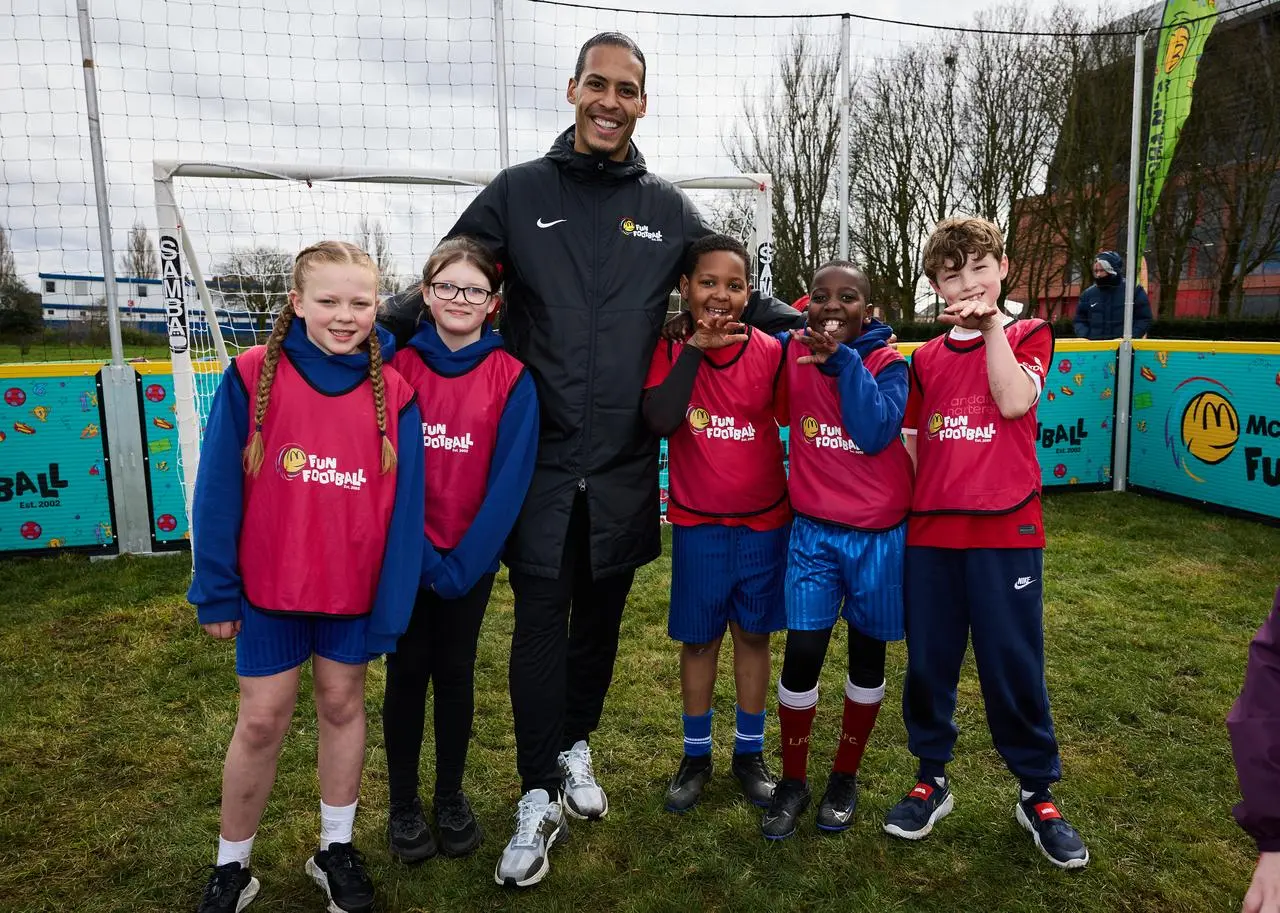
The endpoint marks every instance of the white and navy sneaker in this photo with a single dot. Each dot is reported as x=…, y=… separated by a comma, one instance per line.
x=540, y=825
x=583, y=796
x=339, y=871
x=231, y=888
x=1058, y=840
x=918, y=811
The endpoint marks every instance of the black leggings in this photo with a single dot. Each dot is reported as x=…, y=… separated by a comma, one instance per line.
x=439, y=646
x=806, y=650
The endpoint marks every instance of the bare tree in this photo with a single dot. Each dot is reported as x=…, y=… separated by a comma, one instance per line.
x=8, y=267
x=793, y=134
x=371, y=236
x=1235, y=127
x=258, y=278
x=139, y=259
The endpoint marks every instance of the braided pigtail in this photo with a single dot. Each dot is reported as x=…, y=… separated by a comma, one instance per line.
x=253, y=452
x=380, y=400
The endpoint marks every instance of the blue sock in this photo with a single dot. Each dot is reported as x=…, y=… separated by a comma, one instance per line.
x=697, y=734
x=749, y=737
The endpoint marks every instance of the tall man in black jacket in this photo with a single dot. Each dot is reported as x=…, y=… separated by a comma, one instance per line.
x=591, y=245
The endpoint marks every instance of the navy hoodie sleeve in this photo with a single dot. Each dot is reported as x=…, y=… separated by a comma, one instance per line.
x=510, y=472
x=402, y=560
x=1254, y=725
x=871, y=406
x=217, y=589
x=1141, y=311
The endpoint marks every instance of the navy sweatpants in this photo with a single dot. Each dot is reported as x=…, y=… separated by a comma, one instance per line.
x=994, y=595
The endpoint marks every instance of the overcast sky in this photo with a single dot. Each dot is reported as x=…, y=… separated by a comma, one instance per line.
x=410, y=85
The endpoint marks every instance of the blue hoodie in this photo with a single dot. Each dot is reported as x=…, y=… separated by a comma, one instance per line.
x=453, y=572
x=217, y=590
x=871, y=407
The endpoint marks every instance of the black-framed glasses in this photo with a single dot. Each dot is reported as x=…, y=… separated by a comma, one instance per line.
x=472, y=295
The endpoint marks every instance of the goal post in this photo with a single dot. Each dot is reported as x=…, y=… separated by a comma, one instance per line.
x=271, y=210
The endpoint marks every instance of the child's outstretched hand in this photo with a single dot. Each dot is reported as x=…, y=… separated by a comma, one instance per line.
x=678, y=328
x=717, y=333
x=973, y=314
x=821, y=346
x=222, y=630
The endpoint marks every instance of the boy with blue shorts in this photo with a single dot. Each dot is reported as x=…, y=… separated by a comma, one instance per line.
x=713, y=397
x=975, y=541
x=850, y=488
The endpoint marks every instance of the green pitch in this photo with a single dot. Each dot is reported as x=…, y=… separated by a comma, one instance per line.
x=115, y=711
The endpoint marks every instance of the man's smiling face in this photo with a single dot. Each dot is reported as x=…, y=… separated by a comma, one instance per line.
x=607, y=99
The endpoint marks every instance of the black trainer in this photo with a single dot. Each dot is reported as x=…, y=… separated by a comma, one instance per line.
x=790, y=799
x=409, y=836
x=460, y=832
x=1057, y=839
x=231, y=888
x=340, y=873
x=919, y=810
x=839, y=802
x=754, y=777
x=686, y=786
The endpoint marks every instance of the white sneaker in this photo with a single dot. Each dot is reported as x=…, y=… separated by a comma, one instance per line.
x=583, y=797
x=540, y=824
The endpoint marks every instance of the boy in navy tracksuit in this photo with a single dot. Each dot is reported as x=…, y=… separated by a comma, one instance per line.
x=975, y=540
x=480, y=437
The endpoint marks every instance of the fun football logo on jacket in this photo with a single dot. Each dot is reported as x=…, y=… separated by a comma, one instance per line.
x=718, y=427
x=436, y=436
x=294, y=463
x=629, y=228
x=824, y=436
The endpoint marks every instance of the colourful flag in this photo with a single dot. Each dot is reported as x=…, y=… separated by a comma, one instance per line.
x=1186, y=27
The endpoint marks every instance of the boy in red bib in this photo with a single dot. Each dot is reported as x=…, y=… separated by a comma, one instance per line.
x=975, y=540
x=850, y=485
x=307, y=545
x=713, y=397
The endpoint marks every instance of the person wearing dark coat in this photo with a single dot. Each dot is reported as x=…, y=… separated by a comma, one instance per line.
x=1100, y=311
x=591, y=245
x=1254, y=725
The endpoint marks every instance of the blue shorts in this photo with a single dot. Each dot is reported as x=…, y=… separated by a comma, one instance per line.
x=269, y=644
x=828, y=565
x=726, y=573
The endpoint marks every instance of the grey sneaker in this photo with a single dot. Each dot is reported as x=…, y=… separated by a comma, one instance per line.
x=540, y=825
x=583, y=797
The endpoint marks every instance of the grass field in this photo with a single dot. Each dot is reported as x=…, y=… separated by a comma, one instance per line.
x=63, y=350
x=115, y=712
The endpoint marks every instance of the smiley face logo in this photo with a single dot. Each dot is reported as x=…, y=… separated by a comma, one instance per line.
x=292, y=459
x=699, y=419
x=628, y=226
x=809, y=427
x=1210, y=427
x=935, y=423
x=1176, y=50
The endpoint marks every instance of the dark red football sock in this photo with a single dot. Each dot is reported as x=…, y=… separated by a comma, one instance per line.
x=796, y=726
x=859, y=720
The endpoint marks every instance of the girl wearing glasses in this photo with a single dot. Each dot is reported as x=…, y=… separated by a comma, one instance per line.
x=480, y=433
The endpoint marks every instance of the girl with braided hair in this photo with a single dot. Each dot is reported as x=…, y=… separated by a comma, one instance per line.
x=307, y=525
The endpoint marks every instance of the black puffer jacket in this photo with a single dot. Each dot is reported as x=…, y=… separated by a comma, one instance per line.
x=590, y=250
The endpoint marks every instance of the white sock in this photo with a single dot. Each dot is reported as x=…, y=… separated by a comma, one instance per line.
x=336, y=823
x=234, y=850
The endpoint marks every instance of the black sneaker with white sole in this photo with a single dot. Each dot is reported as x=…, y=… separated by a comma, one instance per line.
x=409, y=836
x=460, y=832
x=839, y=802
x=754, y=778
x=919, y=810
x=340, y=873
x=1054, y=836
x=231, y=888
x=790, y=799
